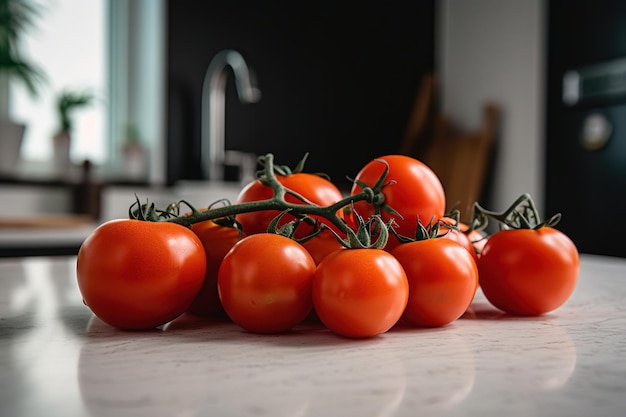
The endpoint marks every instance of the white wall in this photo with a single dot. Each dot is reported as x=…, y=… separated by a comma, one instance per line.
x=493, y=50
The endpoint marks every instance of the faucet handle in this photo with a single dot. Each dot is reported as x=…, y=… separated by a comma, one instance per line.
x=245, y=78
x=247, y=89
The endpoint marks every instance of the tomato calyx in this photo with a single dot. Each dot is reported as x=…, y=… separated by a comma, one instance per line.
x=522, y=214
x=363, y=237
x=431, y=230
x=149, y=212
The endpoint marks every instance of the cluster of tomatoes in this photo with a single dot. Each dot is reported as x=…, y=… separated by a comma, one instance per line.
x=137, y=274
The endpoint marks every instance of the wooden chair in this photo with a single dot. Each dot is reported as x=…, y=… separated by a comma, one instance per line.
x=461, y=159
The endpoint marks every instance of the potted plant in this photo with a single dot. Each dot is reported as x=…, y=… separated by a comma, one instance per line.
x=134, y=154
x=16, y=16
x=66, y=103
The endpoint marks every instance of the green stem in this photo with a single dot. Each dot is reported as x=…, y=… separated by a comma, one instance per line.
x=522, y=214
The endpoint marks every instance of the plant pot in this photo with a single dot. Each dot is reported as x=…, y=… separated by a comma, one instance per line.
x=11, y=137
x=61, y=152
x=135, y=161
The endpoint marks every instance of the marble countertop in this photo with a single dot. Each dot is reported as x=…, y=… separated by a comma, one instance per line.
x=56, y=359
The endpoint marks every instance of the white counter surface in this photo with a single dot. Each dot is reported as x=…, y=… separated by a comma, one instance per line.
x=56, y=359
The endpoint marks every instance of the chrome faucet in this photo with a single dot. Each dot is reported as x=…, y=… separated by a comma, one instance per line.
x=213, y=145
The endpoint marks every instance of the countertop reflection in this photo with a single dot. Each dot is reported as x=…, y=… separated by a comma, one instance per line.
x=56, y=359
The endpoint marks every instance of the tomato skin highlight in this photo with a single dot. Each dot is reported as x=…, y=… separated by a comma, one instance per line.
x=528, y=272
x=138, y=275
x=416, y=193
x=264, y=283
x=360, y=293
x=318, y=190
x=443, y=278
x=217, y=241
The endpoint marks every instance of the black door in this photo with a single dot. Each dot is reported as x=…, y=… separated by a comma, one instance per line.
x=586, y=122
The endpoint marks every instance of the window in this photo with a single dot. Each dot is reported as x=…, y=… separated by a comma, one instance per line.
x=114, y=49
x=68, y=42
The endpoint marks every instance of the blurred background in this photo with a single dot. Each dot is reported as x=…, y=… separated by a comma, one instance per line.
x=115, y=104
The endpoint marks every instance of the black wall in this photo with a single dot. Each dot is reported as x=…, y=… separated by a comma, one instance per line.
x=338, y=79
x=587, y=186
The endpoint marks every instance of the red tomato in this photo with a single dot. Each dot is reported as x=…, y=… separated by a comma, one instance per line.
x=443, y=278
x=264, y=283
x=360, y=292
x=417, y=193
x=139, y=275
x=217, y=241
x=322, y=245
x=318, y=190
x=473, y=240
x=528, y=272
x=458, y=236
x=478, y=240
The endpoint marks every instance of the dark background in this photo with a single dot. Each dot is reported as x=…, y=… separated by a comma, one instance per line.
x=587, y=186
x=338, y=79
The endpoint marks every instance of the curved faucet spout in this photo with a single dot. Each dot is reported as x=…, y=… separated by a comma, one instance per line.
x=213, y=144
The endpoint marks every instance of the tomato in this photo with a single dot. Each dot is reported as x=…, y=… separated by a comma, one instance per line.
x=443, y=278
x=360, y=292
x=459, y=236
x=527, y=271
x=264, y=283
x=322, y=245
x=139, y=275
x=478, y=240
x=217, y=241
x=316, y=189
x=415, y=193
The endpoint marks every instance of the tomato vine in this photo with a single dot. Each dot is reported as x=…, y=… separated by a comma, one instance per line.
x=372, y=195
x=522, y=214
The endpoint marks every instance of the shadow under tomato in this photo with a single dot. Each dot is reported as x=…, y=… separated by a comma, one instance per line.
x=188, y=321
x=309, y=332
x=485, y=311
x=405, y=326
x=96, y=328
